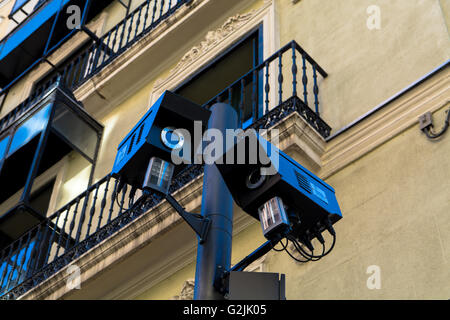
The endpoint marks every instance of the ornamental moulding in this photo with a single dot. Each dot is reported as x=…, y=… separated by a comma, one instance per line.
x=212, y=39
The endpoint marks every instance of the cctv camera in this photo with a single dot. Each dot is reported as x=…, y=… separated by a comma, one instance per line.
x=157, y=134
x=269, y=185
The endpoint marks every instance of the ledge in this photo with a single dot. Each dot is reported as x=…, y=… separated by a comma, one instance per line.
x=396, y=117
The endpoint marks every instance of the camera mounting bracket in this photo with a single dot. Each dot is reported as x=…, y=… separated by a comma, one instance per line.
x=197, y=222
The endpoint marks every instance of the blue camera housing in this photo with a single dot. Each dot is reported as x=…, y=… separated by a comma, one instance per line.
x=144, y=140
x=310, y=202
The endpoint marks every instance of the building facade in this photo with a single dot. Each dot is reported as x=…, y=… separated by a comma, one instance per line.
x=345, y=83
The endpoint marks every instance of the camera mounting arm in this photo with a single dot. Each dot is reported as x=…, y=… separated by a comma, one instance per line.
x=220, y=283
x=158, y=179
x=255, y=255
x=197, y=222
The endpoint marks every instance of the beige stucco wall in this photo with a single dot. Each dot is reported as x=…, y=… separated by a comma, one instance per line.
x=243, y=243
x=445, y=6
x=395, y=203
x=413, y=35
x=119, y=118
x=366, y=67
x=360, y=62
x=413, y=39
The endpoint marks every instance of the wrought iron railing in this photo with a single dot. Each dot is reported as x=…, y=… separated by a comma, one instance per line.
x=25, y=105
x=275, y=81
x=93, y=216
x=133, y=27
x=96, y=56
x=104, y=207
x=59, y=233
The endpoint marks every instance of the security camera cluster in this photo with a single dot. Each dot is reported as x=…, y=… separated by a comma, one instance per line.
x=290, y=201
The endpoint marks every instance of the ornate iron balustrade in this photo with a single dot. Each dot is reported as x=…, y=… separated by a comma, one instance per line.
x=59, y=233
x=122, y=36
x=23, y=107
x=274, y=82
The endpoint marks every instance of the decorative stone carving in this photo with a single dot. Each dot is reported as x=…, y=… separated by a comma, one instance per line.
x=258, y=265
x=212, y=39
x=187, y=292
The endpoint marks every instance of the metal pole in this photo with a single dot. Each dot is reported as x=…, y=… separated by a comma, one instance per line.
x=214, y=255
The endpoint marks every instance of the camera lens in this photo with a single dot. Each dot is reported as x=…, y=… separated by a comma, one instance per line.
x=172, y=139
x=255, y=179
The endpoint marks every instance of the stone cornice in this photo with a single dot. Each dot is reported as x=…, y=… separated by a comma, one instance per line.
x=393, y=119
x=297, y=135
x=124, y=242
x=214, y=43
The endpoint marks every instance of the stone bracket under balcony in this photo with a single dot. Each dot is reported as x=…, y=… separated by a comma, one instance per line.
x=301, y=132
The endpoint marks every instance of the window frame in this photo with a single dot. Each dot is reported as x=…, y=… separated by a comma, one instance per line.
x=56, y=97
x=258, y=57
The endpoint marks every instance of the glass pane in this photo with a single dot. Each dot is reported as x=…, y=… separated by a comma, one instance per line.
x=76, y=178
x=75, y=130
x=3, y=146
x=29, y=129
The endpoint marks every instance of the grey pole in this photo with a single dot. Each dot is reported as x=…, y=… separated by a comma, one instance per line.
x=214, y=255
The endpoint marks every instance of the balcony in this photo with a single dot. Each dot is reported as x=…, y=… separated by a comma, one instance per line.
x=54, y=127
x=41, y=28
x=285, y=83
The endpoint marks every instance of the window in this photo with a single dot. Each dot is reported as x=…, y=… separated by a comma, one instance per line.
x=57, y=129
x=226, y=70
x=19, y=262
x=39, y=34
